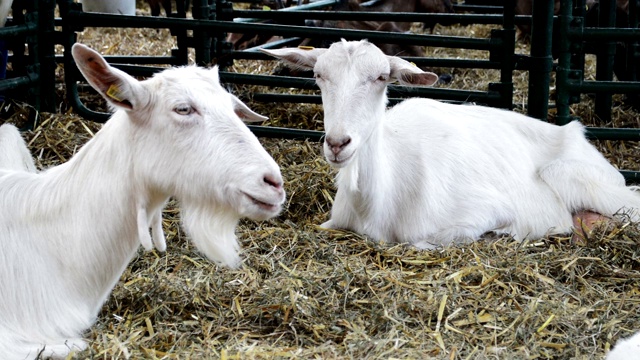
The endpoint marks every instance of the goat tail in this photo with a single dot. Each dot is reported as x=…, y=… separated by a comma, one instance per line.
x=584, y=185
x=619, y=201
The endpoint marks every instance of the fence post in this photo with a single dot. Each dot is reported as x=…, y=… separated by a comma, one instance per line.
x=540, y=55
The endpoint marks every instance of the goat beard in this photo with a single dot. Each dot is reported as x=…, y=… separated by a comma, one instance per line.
x=213, y=233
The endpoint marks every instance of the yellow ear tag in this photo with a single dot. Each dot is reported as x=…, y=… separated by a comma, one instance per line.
x=114, y=92
x=266, y=8
x=414, y=64
x=303, y=47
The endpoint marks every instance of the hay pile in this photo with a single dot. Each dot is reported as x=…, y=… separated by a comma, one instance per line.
x=305, y=293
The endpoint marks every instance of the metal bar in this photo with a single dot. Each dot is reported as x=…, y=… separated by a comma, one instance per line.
x=143, y=60
x=268, y=80
x=403, y=91
x=604, y=62
x=289, y=98
x=285, y=133
x=508, y=40
x=312, y=6
x=18, y=30
x=613, y=134
x=478, y=9
x=631, y=177
x=270, y=45
x=540, y=75
x=420, y=61
x=603, y=34
x=564, y=63
x=615, y=87
x=22, y=81
x=45, y=54
x=299, y=8
x=202, y=39
x=248, y=16
x=632, y=47
x=80, y=18
x=373, y=36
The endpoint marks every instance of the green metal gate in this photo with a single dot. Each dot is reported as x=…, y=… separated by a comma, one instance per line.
x=33, y=72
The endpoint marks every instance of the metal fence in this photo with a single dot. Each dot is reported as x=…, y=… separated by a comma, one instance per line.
x=562, y=35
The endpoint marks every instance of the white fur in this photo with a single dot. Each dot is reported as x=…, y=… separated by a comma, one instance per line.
x=5, y=7
x=626, y=349
x=431, y=173
x=68, y=233
x=14, y=154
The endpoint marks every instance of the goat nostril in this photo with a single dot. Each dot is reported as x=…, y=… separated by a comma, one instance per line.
x=272, y=181
x=337, y=146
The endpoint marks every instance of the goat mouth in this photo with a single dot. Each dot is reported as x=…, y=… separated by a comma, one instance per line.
x=263, y=205
x=340, y=162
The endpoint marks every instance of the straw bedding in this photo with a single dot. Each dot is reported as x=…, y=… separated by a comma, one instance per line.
x=308, y=293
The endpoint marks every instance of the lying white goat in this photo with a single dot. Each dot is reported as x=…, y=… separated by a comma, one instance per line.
x=431, y=173
x=68, y=233
x=626, y=349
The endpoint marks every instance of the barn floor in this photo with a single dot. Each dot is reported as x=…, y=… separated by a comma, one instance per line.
x=308, y=293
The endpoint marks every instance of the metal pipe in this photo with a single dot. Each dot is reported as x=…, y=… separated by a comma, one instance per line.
x=603, y=34
x=22, y=81
x=18, y=30
x=613, y=134
x=83, y=19
x=564, y=63
x=540, y=74
x=247, y=16
x=615, y=87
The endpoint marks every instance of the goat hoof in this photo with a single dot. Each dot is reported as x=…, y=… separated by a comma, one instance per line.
x=584, y=222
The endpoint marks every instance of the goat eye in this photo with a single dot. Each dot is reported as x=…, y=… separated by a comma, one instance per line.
x=383, y=77
x=317, y=76
x=183, y=110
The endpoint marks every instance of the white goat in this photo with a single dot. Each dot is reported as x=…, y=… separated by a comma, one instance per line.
x=626, y=349
x=14, y=154
x=68, y=233
x=431, y=173
x=5, y=7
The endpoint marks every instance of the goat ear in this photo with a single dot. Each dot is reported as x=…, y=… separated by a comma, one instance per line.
x=119, y=88
x=297, y=58
x=244, y=113
x=407, y=73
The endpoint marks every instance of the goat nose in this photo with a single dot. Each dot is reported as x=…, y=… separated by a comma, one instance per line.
x=272, y=180
x=337, y=145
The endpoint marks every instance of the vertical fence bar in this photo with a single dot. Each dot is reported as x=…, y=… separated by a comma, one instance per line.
x=508, y=49
x=201, y=9
x=502, y=51
x=181, y=52
x=45, y=56
x=605, y=57
x=631, y=55
x=564, y=63
x=540, y=55
x=632, y=49
x=222, y=47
